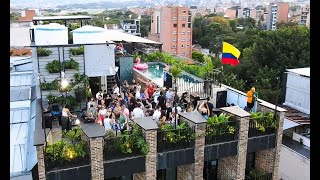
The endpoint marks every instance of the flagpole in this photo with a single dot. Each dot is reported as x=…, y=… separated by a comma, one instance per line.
x=221, y=65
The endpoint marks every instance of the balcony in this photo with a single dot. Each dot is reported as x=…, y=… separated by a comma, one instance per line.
x=125, y=153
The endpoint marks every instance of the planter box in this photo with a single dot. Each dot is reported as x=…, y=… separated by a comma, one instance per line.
x=125, y=166
x=217, y=151
x=171, y=159
x=78, y=173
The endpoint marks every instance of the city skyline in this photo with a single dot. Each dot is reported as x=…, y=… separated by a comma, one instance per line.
x=128, y=3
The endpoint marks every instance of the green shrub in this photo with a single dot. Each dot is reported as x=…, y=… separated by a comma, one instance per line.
x=77, y=51
x=54, y=85
x=43, y=52
x=54, y=67
x=72, y=64
x=60, y=152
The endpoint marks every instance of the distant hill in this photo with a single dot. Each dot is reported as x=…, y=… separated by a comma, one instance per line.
x=91, y=4
x=106, y=4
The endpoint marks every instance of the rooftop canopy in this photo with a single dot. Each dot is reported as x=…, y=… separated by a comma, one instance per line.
x=118, y=36
x=301, y=71
x=49, y=18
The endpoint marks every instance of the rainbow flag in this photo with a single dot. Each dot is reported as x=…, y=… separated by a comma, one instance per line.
x=230, y=54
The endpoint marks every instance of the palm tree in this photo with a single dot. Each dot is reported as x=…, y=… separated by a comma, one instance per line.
x=175, y=71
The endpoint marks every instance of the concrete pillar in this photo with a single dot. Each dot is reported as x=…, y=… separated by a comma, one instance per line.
x=279, y=133
x=242, y=148
x=280, y=112
x=41, y=163
x=96, y=154
x=194, y=171
x=149, y=127
x=95, y=133
x=234, y=167
x=151, y=158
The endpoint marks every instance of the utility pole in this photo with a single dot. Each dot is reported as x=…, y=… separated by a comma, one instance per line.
x=277, y=98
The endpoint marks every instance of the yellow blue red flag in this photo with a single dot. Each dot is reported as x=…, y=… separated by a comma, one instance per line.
x=230, y=54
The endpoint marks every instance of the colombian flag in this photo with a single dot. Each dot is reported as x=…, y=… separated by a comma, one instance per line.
x=230, y=54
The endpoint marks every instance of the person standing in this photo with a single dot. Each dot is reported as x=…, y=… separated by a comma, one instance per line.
x=162, y=101
x=210, y=107
x=137, y=112
x=250, y=99
x=156, y=114
x=99, y=94
x=66, y=114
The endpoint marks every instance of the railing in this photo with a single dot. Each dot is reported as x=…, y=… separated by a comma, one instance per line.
x=222, y=132
x=185, y=83
x=265, y=176
x=261, y=126
x=123, y=146
x=175, y=139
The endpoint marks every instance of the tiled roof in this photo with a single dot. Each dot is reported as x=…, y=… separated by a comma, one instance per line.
x=296, y=116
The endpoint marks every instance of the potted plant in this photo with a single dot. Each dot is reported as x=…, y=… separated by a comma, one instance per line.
x=77, y=51
x=53, y=67
x=43, y=52
x=54, y=85
x=71, y=64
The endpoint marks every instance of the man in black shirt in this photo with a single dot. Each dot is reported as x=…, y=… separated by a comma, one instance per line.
x=169, y=111
x=210, y=106
x=162, y=101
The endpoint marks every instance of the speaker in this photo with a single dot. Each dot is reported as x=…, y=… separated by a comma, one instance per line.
x=221, y=99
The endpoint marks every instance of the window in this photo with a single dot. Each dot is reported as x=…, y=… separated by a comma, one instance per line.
x=183, y=32
x=189, y=32
x=188, y=45
x=182, y=53
x=174, y=32
x=174, y=46
x=183, y=18
x=174, y=25
x=183, y=25
x=182, y=46
x=174, y=39
x=174, y=52
x=183, y=39
x=189, y=25
x=188, y=39
x=183, y=11
x=175, y=18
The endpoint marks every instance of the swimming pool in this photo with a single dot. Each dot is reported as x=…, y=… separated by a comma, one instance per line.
x=155, y=72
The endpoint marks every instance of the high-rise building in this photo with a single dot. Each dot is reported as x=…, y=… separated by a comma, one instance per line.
x=277, y=13
x=172, y=27
x=305, y=16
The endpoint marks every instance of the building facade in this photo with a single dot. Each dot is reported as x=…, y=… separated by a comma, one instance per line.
x=27, y=15
x=278, y=12
x=305, y=16
x=131, y=26
x=173, y=27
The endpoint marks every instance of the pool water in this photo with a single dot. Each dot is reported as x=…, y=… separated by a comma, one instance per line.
x=155, y=72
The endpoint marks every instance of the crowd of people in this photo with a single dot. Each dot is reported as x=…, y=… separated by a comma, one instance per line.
x=115, y=110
